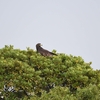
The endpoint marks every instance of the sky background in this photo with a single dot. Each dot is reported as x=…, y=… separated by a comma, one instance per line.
x=68, y=26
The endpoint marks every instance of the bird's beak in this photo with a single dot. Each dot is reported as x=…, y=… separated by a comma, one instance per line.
x=41, y=45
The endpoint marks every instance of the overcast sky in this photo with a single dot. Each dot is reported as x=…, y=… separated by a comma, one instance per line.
x=68, y=26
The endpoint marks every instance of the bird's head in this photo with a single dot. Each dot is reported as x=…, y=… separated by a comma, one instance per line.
x=38, y=45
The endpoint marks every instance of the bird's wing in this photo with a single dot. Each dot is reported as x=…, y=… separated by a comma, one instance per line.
x=46, y=52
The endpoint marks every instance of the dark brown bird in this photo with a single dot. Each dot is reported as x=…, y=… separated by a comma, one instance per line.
x=42, y=51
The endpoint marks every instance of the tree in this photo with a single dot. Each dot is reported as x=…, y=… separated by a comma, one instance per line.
x=34, y=76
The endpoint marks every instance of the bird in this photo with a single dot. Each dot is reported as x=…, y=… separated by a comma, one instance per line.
x=42, y=51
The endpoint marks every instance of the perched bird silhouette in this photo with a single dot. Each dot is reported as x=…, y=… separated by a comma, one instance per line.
x=42, y=51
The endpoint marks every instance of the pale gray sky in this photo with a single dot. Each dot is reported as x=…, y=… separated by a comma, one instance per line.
x=68, y=26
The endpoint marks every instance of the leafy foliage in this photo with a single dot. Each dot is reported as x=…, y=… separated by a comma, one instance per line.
x=62, y=77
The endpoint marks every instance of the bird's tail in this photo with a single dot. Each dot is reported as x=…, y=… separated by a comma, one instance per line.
x=53, y=53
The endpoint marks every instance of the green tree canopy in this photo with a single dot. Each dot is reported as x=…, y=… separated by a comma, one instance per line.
x=42, y=77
